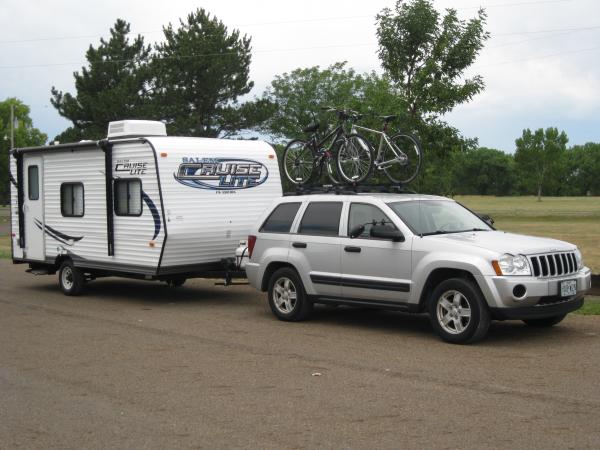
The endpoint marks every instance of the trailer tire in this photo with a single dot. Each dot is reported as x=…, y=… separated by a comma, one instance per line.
x=70, y=278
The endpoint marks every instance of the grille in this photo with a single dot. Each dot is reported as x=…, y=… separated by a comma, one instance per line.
x=553, y=264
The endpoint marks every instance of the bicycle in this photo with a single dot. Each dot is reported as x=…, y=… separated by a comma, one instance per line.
x=399, y=156
x=351, y=153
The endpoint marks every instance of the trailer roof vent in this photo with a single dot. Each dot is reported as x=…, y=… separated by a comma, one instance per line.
x=136, y=128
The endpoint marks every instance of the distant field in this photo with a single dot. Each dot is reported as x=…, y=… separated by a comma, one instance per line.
x=571, y=219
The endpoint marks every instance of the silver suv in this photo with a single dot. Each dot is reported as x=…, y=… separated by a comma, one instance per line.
x=414, y=253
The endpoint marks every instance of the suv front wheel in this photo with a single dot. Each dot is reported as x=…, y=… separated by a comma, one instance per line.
x=458, y=312
x=287, y=297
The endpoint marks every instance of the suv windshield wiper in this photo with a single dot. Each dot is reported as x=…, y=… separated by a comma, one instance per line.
x=451, y=231
x=437, y=232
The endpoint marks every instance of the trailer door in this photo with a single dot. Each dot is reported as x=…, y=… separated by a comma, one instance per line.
x=33, y=208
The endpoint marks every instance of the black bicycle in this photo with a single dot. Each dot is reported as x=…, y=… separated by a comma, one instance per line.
x=349, y=153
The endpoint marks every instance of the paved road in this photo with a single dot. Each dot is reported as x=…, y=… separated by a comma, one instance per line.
x=140, y=365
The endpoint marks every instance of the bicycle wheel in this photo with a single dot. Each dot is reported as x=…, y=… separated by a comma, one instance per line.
x=406, y=157
x=354, y=159
x=298, y=162
x=332, y=170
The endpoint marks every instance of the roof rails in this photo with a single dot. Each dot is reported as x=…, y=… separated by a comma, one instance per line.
x=340, y=189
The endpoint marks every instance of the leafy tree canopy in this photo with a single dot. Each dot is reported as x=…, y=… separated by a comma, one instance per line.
x=539, y=154
x=112, y=87
x=25, y=135
x=426, y=55
x=201, y=70
x=582, y=168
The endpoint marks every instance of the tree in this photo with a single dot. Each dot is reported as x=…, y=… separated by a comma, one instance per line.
x=114, y=86
x=25, y=136
x=539, y=156
x=298, y=97
x=485, y=171
x=583, y=167
x=426, y=55
x=201, y=69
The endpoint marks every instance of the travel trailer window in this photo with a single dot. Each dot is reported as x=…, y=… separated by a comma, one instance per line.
x=128, y=197
x=33, y=182
x=72, y=200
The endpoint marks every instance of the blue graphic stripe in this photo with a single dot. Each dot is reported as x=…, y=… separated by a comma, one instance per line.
x=60, y=237
x=155, y=214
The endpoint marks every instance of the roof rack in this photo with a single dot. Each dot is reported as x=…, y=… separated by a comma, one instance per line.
x=341, y=189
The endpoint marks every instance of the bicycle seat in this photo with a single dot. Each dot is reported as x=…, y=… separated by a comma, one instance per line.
x=311, y=127
x=387, y=119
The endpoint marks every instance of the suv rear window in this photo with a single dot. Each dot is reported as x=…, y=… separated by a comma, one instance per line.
x=281, y=219
x=322, y=219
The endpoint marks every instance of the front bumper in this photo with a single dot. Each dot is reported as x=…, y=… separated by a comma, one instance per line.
x=538, y=292
x=539, y=311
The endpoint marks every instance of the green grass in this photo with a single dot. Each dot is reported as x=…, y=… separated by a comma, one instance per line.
x=591, y=307
x=5, y=247
x=571, y=219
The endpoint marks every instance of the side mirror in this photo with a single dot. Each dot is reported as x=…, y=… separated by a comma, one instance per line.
x=386, y=232
x=487, y=219
x=357, y=231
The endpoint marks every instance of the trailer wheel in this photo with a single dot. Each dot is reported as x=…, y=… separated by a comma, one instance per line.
x=70, y=279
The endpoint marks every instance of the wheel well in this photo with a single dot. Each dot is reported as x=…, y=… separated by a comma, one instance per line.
x=439, y=275
x=59, y=260
x=270, y=270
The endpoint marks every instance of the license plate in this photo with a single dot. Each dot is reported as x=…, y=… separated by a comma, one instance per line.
x=568, y=288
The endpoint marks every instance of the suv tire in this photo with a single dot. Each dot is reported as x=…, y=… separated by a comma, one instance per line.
x=545, y=322
x=287, y=297
x=70, y=278
x=458, y=311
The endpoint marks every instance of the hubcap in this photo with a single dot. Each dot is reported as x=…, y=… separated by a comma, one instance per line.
x=284, y=295
x=453, y=312
x=67, y=278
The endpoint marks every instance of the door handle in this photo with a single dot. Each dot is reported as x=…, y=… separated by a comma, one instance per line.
x=351, y=249
x=299, y=244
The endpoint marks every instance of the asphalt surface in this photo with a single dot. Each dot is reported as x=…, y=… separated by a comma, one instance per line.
x=135, y=364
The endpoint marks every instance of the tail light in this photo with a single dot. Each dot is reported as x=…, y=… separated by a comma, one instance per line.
x=251, y=242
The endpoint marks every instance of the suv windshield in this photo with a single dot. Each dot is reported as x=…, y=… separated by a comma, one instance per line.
x=426, y=217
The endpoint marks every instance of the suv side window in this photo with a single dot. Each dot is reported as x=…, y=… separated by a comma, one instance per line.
x=367, y=215
x=321, y=219
x=281, y=219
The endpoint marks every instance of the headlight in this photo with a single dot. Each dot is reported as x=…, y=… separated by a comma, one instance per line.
x=512, y=265
x=579, y=258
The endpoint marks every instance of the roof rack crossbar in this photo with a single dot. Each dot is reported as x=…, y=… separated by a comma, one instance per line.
x=340, y=189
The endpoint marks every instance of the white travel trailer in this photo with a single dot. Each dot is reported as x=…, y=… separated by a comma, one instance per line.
x=138, y=204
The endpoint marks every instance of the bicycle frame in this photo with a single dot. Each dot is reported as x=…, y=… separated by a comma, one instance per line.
x=335, y=133
x=317, y=144
x=384, y=139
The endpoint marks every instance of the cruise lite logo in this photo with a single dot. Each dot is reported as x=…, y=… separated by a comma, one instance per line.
x=221, y=173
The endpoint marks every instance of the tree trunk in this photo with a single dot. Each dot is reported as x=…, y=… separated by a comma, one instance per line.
x=539, y=193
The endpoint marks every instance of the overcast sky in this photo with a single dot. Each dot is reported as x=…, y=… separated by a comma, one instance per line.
x=541, y=66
